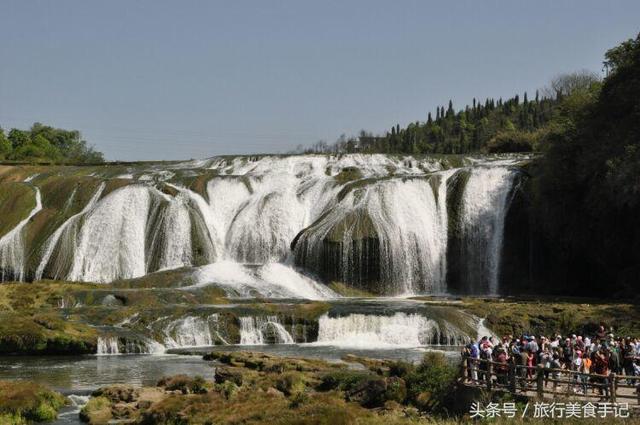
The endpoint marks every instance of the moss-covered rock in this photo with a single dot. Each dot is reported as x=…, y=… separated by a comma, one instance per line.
x=16, y=201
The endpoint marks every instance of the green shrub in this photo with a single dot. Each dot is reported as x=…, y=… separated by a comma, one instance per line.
x=432, y=383
x=343, y=380
x=291, y=383
x=511, y=141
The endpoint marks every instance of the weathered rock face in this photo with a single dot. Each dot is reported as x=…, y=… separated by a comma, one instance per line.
x=350, y=252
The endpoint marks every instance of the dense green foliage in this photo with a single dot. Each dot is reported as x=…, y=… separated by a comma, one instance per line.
x=495, y=126
x=43, y=143
x=587, y=183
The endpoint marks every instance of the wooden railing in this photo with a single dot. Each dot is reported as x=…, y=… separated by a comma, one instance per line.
x=541, y=382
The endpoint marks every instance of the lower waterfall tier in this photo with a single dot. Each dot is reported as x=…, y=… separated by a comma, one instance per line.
x=345, y=325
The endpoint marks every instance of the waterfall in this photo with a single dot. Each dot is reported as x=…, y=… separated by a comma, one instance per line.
x=484, y=209
x=397, y=228
x=398, y=330
x=12, y=245
x=277, y=226
x=144, y=346
x=107, y=345
x=69, y=242
x=263, y=330
x=273, y=280
x=171, y=235
x=192, y=331
x=111, y=243
x=110, y=345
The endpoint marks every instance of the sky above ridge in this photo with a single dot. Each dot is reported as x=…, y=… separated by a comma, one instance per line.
x=193, y=79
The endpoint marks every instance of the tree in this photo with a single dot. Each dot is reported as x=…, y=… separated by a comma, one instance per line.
x=18, y=138
x=620, y=55
x=566, y=84
x=5, y=145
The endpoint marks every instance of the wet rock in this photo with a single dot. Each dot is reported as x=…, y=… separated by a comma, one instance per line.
x=123, y=410
x=118, y=393
x=369, y=392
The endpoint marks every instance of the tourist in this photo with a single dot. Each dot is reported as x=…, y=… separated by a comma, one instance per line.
x=585, y=369
x=601, y=367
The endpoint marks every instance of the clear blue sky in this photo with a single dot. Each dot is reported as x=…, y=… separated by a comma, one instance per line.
x=191, y=79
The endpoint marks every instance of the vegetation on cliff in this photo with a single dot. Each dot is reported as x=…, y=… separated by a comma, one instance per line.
x=586, y=186
x=42, y=143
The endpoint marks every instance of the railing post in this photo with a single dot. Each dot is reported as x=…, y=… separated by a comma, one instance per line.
x=512, y=378
x=540, y=380
x=612, y=387
x=489, y=375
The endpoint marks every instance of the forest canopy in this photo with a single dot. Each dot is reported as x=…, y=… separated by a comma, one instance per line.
x=43, y=143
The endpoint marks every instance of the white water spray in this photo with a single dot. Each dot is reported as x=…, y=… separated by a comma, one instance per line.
x=260, y=330
x=12, y=246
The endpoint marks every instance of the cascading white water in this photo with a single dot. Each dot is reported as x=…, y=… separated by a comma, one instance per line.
x=273, y=280
x=110, y=345
x=255, y=208
x=12, y=246
x=53, y=240
x=398, y=330
x=409, y=220
x=260, y=330
x=172, y=235
x=111, y=243
x=107, y=345
x=192, y=331
x=484, y=210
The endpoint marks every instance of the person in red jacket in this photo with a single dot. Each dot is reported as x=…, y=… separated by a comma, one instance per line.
x=601, y=367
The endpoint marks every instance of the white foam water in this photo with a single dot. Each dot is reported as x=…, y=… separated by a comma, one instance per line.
x=273, y=280
x=400, y=330
x=52, y=242
x=410, y=221
x=259, y=330
x=483, y=213
x=107, y=346
x=12, y=246
x=192, y=331
x=242, y=229
x=111, y=243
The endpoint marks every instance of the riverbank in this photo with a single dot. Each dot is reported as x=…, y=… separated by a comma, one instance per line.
x=254, y=388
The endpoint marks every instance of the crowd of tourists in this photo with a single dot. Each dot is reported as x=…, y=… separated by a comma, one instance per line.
x=594, y=357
